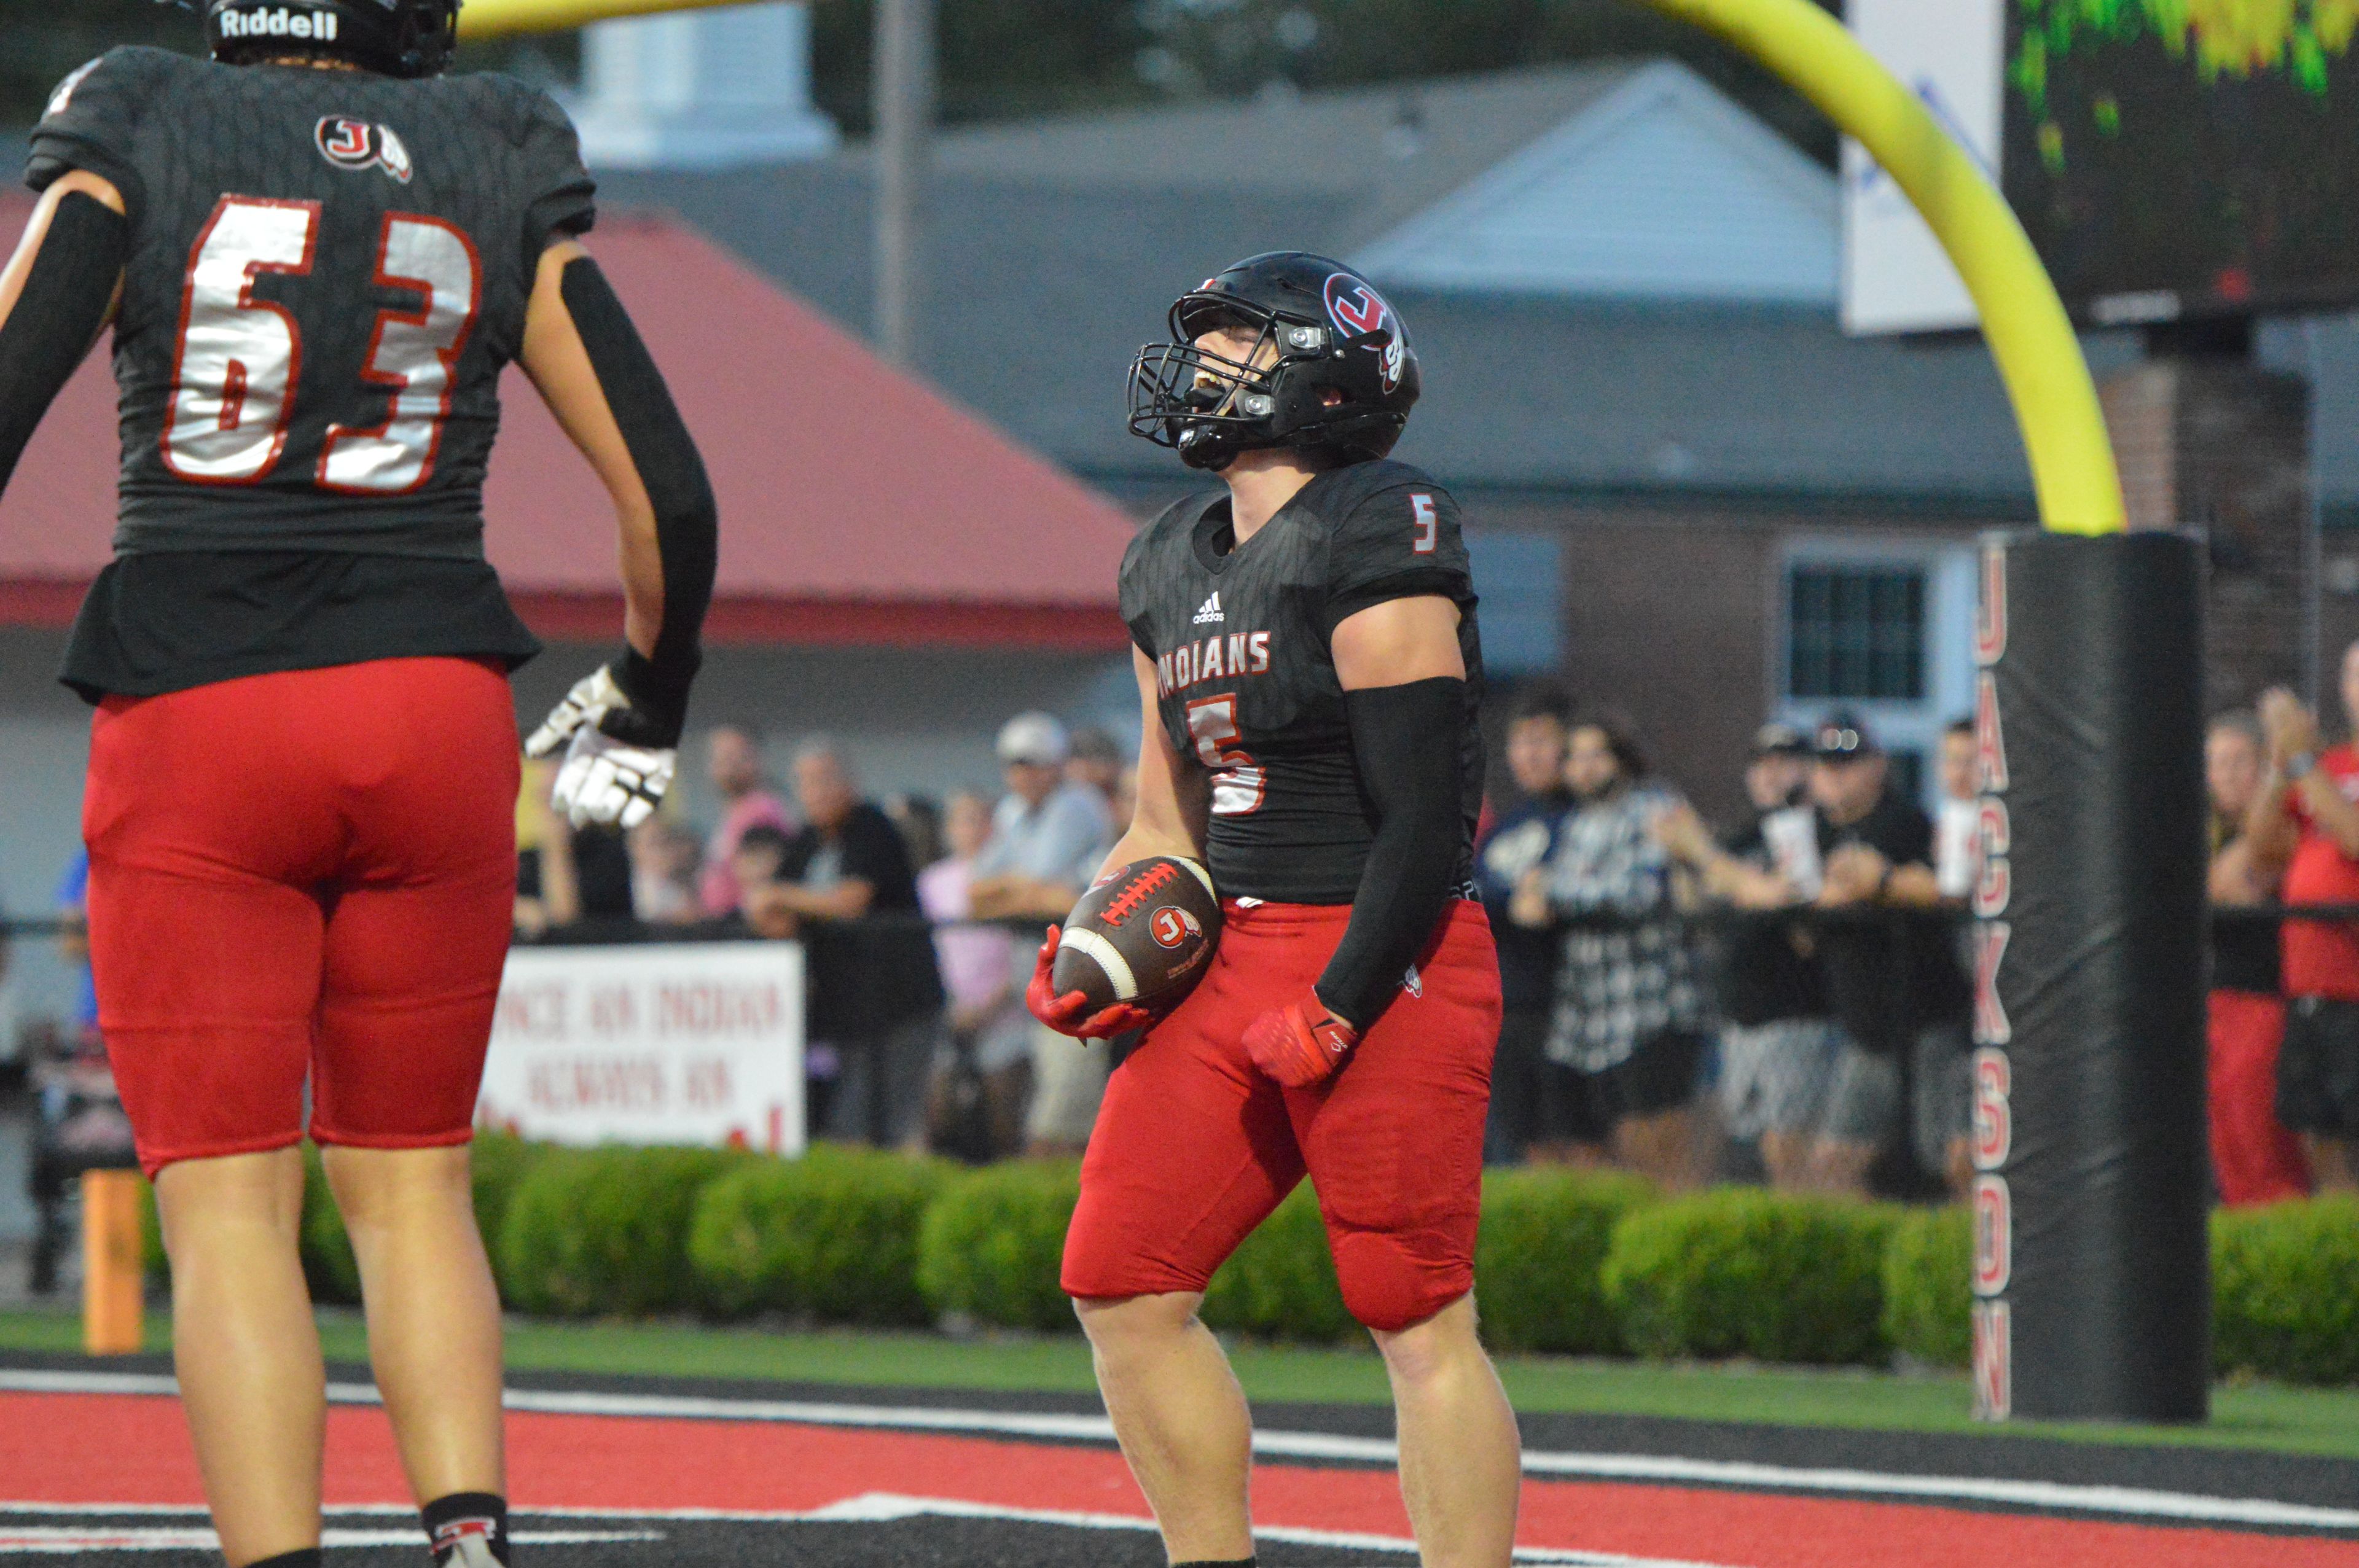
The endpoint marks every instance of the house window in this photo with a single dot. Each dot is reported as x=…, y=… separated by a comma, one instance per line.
x=1855, y=632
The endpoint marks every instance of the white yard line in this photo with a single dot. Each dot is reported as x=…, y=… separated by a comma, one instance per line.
x=64, y=1540
x=876, y=1506
x=2130, y=1502
x=868, y=1507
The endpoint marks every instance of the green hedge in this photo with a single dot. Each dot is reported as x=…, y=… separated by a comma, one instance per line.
x=603, y=1232
x=151, y=1235
x=1927, y=1300
x=1539, y=1261
x=1739, y=1271
x=1280, y=1281
x=327, y=1262
x=2285, y=1291
x=1567, y=1263
x=832, y=1236
x=992, y=1243
x=499, y=1161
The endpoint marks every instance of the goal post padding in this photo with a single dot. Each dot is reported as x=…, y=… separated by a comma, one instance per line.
x=2092, y=1268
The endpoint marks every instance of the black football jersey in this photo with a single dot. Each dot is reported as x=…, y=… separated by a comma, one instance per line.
x=1239, y=634
x=327, y=271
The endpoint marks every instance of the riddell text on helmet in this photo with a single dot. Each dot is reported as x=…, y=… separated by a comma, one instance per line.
x=282, y=22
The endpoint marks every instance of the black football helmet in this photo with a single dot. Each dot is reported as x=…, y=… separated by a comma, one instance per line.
x=1332, y=373
x=394, y=38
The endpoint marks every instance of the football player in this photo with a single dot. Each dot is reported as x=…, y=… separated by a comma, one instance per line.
x=317, y=252
x=1308, y=675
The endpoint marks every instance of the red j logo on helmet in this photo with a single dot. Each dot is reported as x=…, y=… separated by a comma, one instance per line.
x=1357, y=310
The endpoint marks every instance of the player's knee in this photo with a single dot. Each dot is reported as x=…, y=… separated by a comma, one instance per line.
x=382, y=1187
x=1387, y=1287
x=1116, y=1326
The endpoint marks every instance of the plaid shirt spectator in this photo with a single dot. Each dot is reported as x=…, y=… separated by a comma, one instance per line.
x=1627, y=974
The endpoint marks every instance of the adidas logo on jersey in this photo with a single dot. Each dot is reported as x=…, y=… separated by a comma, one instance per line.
x=281, y=22
x=1210, y=611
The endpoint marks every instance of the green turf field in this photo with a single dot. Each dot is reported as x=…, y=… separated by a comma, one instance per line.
x=2257, y=1416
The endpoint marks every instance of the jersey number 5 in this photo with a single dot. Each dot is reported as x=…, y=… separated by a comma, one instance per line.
x=1428, y=520
x=240, y=359
x=1237, y=779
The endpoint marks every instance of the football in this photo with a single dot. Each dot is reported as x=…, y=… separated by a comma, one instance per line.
x=1144, y=932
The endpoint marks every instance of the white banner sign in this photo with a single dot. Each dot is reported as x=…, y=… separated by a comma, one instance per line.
x=698, y=1042
x=1896, y=277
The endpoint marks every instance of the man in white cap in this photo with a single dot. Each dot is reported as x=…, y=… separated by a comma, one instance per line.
x=1047, y=838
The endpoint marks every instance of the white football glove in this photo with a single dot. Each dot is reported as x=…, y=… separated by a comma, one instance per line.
x=604, y=780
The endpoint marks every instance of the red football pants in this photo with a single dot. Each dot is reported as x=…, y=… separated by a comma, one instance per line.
x=2253, y=1159
x=1194, y=1146
x=302, y=874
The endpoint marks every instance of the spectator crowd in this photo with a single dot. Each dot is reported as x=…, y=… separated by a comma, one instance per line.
x=910, y=912
x=1785, y=998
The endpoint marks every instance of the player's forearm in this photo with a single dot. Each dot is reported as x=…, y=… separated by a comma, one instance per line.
x=2236, y=877
x=2268, y=825
x=1409, y=879
x=2336, y=817
x=847, y=900
x=55, y=297
x=1013, y=897
x=590, y=364
x=1913, y=886
x=1641, y=892
x=669, y=575
x=1747, y=887
x=1144, y=841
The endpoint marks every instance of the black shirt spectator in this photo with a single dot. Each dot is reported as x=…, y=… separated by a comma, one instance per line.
x=1521, y=839
x=844, y=884
x=1890, y=971
x=864, y=846
x=869, y=977
x=1763, y=975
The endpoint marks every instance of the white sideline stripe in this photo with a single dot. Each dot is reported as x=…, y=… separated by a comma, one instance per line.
x=1109, y=958
x=2136, y=1502
x=59, y=1541
x=879, y=1507
x=868, y=1507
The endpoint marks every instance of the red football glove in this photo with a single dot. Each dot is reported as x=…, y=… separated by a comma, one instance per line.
x=1070, y=1013
x=1301, y=1043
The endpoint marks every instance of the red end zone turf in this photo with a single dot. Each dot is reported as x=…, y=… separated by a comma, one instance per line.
x=100, y=1449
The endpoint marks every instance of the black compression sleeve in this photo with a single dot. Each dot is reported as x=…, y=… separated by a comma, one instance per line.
x=1405, y=738
x=687, y=521
x=57, y=316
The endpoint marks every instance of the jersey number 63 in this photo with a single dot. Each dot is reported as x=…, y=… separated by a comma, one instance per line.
x=240, y=359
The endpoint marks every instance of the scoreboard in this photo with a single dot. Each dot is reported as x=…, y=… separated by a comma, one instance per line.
x=2182, y=159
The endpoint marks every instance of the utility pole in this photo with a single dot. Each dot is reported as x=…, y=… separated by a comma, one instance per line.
x=905, y=123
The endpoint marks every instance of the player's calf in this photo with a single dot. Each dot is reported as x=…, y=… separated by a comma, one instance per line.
x=1182, y=1420
x=1460, y=1451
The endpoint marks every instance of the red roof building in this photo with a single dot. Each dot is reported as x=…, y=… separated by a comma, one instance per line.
x=858, y=505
